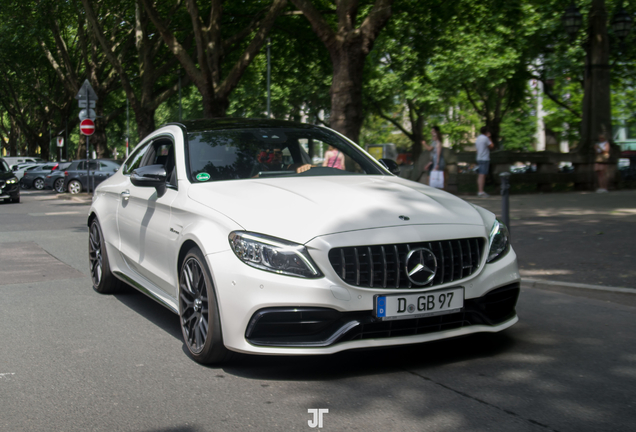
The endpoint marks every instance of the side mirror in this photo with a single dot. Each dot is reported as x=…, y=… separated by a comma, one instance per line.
x=14, y=168
x=150, y=176
x=391, y=165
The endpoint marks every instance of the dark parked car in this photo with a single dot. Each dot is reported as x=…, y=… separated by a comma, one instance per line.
x=35, y=177
x=55, y=179
x=9, y=185
x=75, y=180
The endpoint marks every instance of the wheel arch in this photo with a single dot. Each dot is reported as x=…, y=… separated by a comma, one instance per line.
x=183, y=251
x=91, y=217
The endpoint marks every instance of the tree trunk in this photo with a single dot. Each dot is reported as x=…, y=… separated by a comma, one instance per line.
x=494, y=126
x=145, y=119
x=597, y=112
x=346, y=90
x=213, y=105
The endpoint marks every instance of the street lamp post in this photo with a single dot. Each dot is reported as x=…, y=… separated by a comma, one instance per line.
x=597, y=108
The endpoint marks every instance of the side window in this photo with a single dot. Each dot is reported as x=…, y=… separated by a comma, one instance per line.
x=160, y=153
x=81, y=166
x=134, y=161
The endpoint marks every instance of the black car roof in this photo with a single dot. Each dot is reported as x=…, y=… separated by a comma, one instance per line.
x=237, y=123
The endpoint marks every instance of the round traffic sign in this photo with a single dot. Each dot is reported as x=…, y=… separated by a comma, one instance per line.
x=87, y=127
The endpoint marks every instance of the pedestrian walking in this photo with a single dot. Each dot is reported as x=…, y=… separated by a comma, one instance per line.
x=484, y=145
x=437, y=164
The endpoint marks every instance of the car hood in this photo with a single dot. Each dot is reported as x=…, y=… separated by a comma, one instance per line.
x=6, y=175
x=302, y=208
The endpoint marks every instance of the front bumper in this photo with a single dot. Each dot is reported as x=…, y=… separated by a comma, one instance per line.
x=9, y=190
x=322, y=327
x=337, y=316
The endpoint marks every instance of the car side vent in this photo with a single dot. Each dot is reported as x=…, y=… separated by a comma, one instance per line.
x=384, y=266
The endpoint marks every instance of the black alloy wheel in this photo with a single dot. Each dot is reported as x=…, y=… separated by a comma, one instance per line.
x=104, y=281
x=198, y=311
x=38, y=183
x=58, y=186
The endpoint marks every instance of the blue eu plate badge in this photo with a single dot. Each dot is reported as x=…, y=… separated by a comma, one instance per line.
x=380, y=306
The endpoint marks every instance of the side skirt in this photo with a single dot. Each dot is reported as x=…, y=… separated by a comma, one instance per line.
x=154, y=293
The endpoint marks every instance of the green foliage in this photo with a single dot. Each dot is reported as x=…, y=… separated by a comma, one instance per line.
x=457, y=64
x=519, y=128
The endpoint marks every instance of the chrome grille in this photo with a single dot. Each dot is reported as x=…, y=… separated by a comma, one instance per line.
x=383, y=266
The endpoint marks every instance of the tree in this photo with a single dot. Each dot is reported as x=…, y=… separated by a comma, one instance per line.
x=73, y=54
x=398, y=86
x=348, y=45
x=117, y=28
x=206, y=69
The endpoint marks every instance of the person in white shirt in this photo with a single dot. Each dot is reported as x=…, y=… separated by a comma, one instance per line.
x=484, y=145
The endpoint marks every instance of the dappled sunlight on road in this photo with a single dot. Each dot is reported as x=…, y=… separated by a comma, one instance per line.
x=542, y=272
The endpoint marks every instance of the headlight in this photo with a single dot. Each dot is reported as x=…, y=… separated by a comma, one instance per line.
x=272, y=254
x=12, y=180
x=499, y=241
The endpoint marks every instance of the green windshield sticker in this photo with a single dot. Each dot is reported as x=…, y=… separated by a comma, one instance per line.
x=203, y=177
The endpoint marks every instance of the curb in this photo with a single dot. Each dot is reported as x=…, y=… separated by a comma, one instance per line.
x=82, y=198
x=535, y=282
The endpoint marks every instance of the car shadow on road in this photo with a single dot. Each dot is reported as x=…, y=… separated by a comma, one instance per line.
x=374, y=361
x=151, y=310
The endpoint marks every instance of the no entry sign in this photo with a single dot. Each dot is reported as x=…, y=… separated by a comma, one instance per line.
x=87, y=127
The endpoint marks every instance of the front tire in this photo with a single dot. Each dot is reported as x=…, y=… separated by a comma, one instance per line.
x=74, y=187
x=104, y=282
x=199, y=312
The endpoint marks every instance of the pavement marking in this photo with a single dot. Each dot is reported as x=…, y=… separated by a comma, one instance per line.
x=534, y=282
x=54, y=213
x=2, y=375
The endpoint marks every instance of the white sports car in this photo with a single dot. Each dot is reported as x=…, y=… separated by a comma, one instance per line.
x=274, y=237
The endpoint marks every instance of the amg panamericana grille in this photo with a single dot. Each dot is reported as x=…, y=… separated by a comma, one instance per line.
x=383, y=266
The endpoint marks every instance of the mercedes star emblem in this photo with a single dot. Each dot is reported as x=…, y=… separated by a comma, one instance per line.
x=420, y=266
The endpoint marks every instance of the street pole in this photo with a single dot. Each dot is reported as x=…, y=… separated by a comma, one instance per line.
x=127, y=127
x=269, y=73
x=88, y=172
x=179, y=94
x=505, y=198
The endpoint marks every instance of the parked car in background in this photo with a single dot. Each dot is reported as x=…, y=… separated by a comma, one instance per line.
x=35, y=177
x=20, y=169
x=55, y=179
x=15, y=160
x=75, y=178
x=9, y=185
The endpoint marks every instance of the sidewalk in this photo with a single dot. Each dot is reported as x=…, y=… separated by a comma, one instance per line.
x=579, y=240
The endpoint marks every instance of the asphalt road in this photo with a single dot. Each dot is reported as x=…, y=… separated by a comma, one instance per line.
x=74, y=360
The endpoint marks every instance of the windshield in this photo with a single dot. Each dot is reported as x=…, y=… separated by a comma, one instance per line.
x=256, y=153
x=3, y=166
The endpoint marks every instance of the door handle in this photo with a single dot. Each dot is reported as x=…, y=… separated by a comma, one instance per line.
x=125, y=195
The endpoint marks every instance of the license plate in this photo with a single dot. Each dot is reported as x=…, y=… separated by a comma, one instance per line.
x=404, y=306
